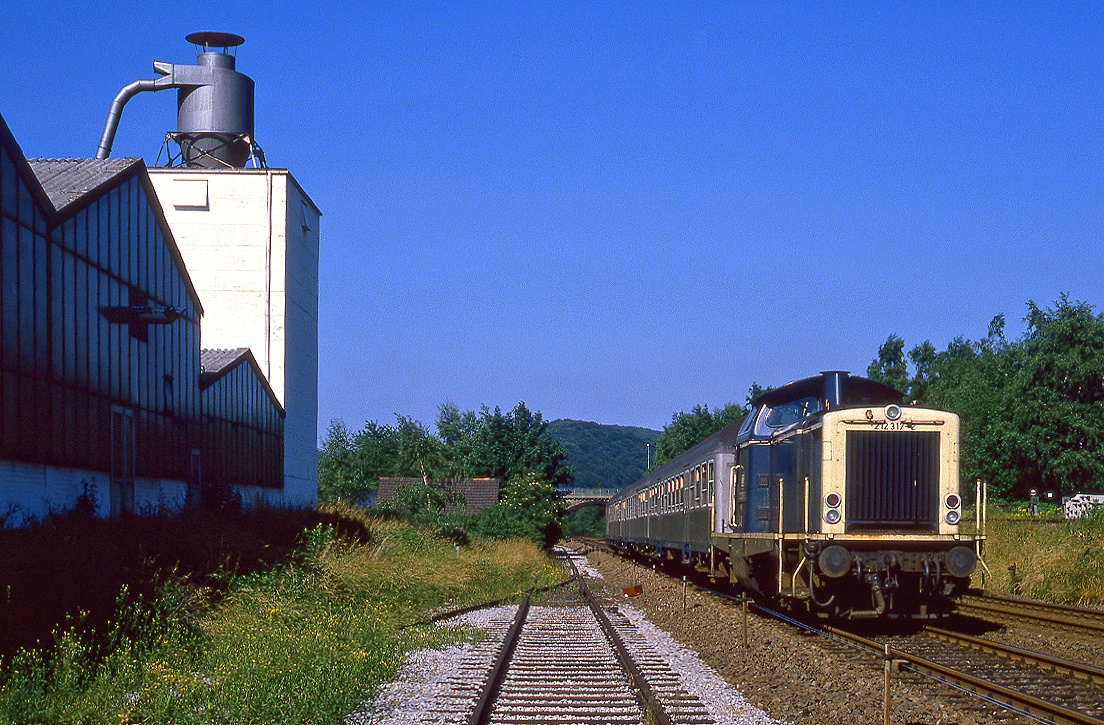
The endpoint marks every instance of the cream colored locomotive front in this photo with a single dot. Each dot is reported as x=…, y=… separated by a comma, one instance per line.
x=835, y=428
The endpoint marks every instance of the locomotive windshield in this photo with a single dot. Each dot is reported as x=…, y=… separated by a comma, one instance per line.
x=788, y=413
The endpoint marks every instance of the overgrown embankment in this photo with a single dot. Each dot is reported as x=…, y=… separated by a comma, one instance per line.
x=300, y=636
x=1047, y=557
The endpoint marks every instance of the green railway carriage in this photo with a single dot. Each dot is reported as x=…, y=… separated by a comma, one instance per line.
x=830, y=496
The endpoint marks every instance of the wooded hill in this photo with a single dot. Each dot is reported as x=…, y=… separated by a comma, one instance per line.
x=603, y=456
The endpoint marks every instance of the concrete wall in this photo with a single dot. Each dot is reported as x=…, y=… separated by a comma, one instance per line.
x=249, y=238
x=30, y=491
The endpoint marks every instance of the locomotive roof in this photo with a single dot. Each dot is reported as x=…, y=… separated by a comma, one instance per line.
x=857, y=391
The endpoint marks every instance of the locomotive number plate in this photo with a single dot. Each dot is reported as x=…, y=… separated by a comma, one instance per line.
x=893, y=425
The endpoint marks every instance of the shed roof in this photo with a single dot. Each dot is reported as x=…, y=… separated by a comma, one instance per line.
x=67, y=181
x=479, y=493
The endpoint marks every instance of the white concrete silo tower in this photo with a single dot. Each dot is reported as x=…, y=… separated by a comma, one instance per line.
x=249, y=238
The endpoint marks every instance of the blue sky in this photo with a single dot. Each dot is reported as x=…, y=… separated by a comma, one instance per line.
x=617, y=211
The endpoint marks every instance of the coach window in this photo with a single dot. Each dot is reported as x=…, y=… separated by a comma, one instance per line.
x=712, y=482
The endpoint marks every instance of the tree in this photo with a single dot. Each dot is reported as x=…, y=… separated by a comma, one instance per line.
x=514, y=447
x=350, y=464
x=686, y=430
x=424, y=503
x=337, y=475
x=754, y=392
x=1032, y=410
x=502, y=445
x=533, y=504
x=923, y=358
x=1059, y=383
x=419, y=452
x=890, y=366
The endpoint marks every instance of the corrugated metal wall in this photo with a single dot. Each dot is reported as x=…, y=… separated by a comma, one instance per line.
x=63, y=365
x=243, y=432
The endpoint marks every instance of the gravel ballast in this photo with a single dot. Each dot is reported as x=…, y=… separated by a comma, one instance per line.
x=439, y=686
x=793, y=676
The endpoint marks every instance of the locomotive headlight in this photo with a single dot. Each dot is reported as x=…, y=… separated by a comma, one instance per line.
x=953, y=500
x=952, y=517
x=893, y=412
x=832, y=500
x=832, y=516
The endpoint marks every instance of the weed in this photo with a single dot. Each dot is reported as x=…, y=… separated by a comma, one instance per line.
x=304, y=639
x=1047, y=558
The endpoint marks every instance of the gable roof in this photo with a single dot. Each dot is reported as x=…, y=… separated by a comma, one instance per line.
x=71, y=185
x=15, y=153
x=67, y=181
x=215, y=364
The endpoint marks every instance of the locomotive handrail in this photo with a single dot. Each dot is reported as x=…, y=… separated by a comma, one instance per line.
x=781, y=530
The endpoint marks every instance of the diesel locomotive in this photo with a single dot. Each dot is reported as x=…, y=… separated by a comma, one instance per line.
x=830, y=497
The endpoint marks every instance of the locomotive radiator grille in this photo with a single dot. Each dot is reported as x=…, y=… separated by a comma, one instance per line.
x=892, y=480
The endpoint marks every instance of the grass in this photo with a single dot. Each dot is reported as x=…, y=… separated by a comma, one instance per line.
x=301, y=642
x=1047, y=557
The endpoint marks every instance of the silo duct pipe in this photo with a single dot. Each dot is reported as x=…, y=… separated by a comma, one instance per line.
x=116, y=112
x=172, y=76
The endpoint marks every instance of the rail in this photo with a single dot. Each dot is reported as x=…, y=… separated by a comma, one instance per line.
x=647, y=695
x=1043, y=611
x=1017, y=702
x=482, y=712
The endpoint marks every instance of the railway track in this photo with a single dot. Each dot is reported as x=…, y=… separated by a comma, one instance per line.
x=990, y=605
x=566, y=660
x=1046, y=688
x=1025, y=682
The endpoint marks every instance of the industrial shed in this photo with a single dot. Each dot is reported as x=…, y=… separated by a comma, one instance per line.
x=102, y=393
x=100, y=338
x=243, y=424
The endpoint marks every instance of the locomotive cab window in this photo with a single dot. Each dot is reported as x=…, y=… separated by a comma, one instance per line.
x=785, y=414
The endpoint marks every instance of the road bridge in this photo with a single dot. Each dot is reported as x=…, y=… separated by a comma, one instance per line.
x=576, y=498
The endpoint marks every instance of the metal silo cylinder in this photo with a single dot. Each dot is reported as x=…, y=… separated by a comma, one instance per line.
x=212, y=118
